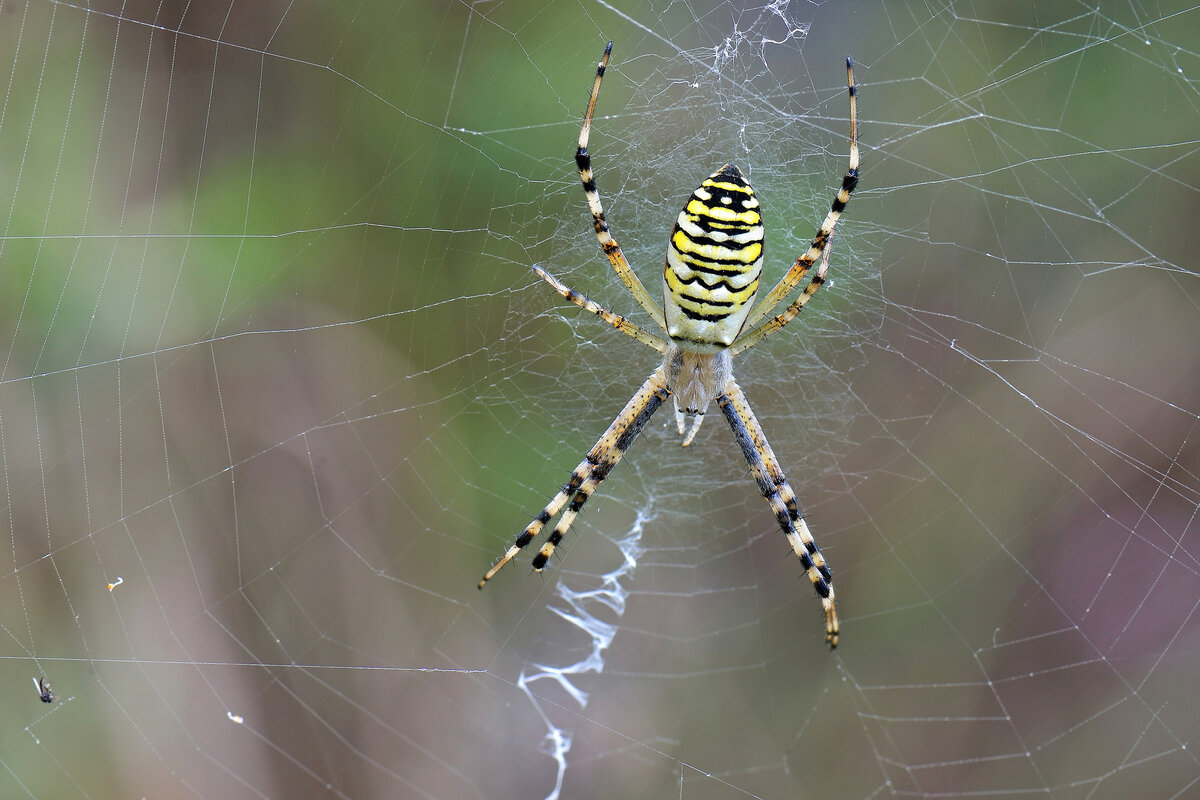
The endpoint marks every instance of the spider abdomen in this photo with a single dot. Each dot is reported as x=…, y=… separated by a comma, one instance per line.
x=714, y=261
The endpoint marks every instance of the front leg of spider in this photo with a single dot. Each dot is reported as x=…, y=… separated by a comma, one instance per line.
x=594, y=468
x=711, y=277
x=771, y=482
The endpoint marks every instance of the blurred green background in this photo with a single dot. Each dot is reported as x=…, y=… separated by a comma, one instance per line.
x=275, y=359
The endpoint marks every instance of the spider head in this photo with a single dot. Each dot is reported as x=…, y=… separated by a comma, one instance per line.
x=695, y=379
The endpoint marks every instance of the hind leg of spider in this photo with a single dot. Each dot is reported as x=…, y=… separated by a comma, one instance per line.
x=608, y=244
x=778, y=493
x=625, y=326
x=594, y=468
x=820, y=242
x=751, y=338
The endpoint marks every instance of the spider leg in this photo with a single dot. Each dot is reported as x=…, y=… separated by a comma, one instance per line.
x=775, y=488
x=820, y=242
x=594, y=468
x=616, y=320
x=748, y=340
x=607, y=243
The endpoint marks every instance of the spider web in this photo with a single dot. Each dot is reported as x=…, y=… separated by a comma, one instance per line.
x=278, y=385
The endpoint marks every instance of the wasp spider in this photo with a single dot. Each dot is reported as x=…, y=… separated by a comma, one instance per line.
x=713, y=266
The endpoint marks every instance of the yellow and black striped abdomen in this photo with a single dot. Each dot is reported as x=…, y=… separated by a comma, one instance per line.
x=714, y=261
